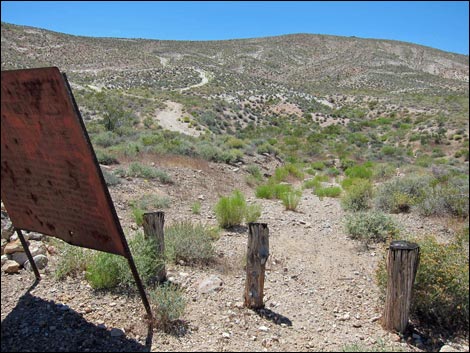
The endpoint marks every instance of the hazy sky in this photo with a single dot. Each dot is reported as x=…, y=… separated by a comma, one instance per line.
x=439, y=24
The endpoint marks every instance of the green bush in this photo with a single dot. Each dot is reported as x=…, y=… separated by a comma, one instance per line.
x=72, y=259
x=252, y=213
x=359, y=171
x=358, y=195
x=441, y=288
x=110, y=178
x=400, y=194
x=330, y=191
x=191, y=243
x=168, y=304
x=291, y=199
x=370, y=226
x=196, y=207
x=146, y=258
x=148, y=203
x=230, y=210
x=138, y=170
x=319, y=165
x=272, y=191
x=105, y=270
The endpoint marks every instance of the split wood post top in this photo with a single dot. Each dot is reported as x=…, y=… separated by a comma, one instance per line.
x=402, y=265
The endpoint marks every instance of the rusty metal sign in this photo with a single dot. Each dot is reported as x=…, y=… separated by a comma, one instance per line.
x=51, y=180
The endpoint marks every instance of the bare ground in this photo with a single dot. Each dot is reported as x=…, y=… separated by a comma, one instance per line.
x=320, y=290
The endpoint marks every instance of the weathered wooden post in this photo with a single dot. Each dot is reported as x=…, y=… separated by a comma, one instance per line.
x=402, y=265
x=153, y=228
x=256, y=257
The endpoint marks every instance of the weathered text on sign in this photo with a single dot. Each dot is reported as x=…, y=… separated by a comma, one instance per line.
x=51, y=181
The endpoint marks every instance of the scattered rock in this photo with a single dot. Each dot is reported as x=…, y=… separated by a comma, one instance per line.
x=447, y=348
x=210, y=284
x=40, y=261
x=115, y=332
x=11, y=266
x=14, y=246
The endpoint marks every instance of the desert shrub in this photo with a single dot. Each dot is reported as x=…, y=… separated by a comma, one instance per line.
x=332, y=172
x=254, y=171
x=319, y=165
x=105, y=158
x=231, y=156
x=191, y=243
x=105, y=139
x=272, y=191
x=105, y=270
x=72, y=260
x=168, y=304
x=358, y=195
x=383, y=171
x=230, y=210
x=148, y=203
x=138, y=170
x=252, y=213
x=146, y=258
x=110, y=178
x=447, y=198
x=370, y=226
x=400, y=194
x=196, y=207
x=291, y=199
x=329, y=191
x=441, y=288
x=359, y=171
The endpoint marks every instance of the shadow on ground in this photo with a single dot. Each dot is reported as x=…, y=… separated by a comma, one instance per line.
x=37, y=325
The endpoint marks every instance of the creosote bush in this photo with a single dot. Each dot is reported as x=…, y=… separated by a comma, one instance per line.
x=370, y=226
x=191, y=243
x=168, y=304
x=358, y=195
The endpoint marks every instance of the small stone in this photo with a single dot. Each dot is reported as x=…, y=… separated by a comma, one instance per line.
x=12, y=247
x=115, y=332
x=210, y=284
x=447, y=348
x=375, y=318
x=11, y=266
x=40, y=261
x=201, y=197
x=357, y=325
x=263, y=328
x=345, y=317
x=19, y=257
x=5, y=258
x=226, y=335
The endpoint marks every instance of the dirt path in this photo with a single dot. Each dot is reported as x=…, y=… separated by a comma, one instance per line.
x=204, y=80
x=171, y=119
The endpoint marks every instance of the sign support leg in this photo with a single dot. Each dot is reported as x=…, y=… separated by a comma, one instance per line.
x=28, y=254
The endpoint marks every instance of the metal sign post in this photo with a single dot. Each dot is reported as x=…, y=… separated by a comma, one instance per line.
x=51, y=179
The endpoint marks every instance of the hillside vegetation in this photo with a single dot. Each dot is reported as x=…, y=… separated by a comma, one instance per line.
x=379, y=127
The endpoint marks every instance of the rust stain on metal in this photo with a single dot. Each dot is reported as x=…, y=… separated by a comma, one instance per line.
x=51, y=181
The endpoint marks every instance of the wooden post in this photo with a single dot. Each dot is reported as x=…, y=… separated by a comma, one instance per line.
x=256, y=257
x=153, y=228
x=402, y=265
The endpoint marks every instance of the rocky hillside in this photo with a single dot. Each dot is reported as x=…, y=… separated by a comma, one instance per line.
x=310, y=62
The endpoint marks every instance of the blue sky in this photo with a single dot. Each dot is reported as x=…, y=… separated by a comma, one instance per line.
x=439, y=24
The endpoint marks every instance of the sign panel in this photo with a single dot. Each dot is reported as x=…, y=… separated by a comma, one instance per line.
x=51, y=180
